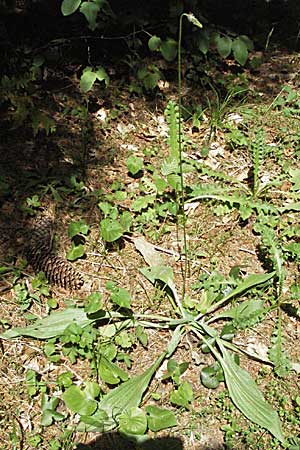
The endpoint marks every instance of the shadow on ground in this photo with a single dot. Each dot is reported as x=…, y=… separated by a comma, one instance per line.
x=115, y=441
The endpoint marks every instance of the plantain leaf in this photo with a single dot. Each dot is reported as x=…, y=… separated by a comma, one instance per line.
x=124, y=397
x=246, y=396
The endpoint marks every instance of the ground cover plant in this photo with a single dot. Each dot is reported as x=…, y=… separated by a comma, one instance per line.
x=186, y=232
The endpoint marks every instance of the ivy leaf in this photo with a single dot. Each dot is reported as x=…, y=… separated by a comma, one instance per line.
x=247, y=42
x=211, y=376
x=133, y=421
x=68, y=7
x=90, y=11
x=224, y=45
x=79, y=227
x=169, y=49
x=79, y=401
x=111, y=230
x=159, y=418
x=154, y=43
x=183, y=395
x=87, y=80
x=121, y=297
x=134, y=164
x=126, y=220
x=93, y=303
x=76, y=252
x=143, y=202
x=240, y=51
x=102, y=75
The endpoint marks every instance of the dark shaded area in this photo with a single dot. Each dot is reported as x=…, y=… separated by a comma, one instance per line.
x=30, y=164
x=255, y=18
x=114, y=441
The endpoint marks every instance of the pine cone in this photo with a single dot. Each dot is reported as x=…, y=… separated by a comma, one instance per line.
x=57, y=270
x=41, y=257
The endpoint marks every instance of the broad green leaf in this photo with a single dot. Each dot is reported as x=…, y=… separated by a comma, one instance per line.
x=240, y=51
x=141, y=335
x=250, y=282
x=93, y=303
x=109, y=372
x=111, y=230
x=247, y=41
x=91, y=389
x=149, y=76
x=90, y=11
x=80, y=227
x=168, y=49
x=127, y=395
x=126, y=220
x=183, y=396
x=143, y=202
x=174, y=181
x=77, y=251
x=175, y=340
x=290, y=207
x=78, y=401
x=87, y=80
x=52, y=325
x=211, y=376
x=162, y=273
x=241, y=311
x=246, y=396
x=277, y=355
x=121, y=297
x=134, y=164
x=159, y=418
x=102, y=75
x=69, y=6
x=154, y=43
x=224, y=45
x=203, y=42
x=134, y=421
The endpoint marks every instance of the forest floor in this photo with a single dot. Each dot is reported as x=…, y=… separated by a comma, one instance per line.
x=242, y=153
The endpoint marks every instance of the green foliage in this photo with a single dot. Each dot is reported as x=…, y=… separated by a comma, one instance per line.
x=49, y=413
x=277, y=355
x=78, y=228
x=76, y=252
x=239, y=47
x=114, y=225
x=134, y=164
x=19, y=92
x=119, y=296
x=89, y=9
x=149, y=76
x=211, y=376
x=159, y=418
x=167, y=48
x=90, y=75
x=182, y=396
x=175, y=370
